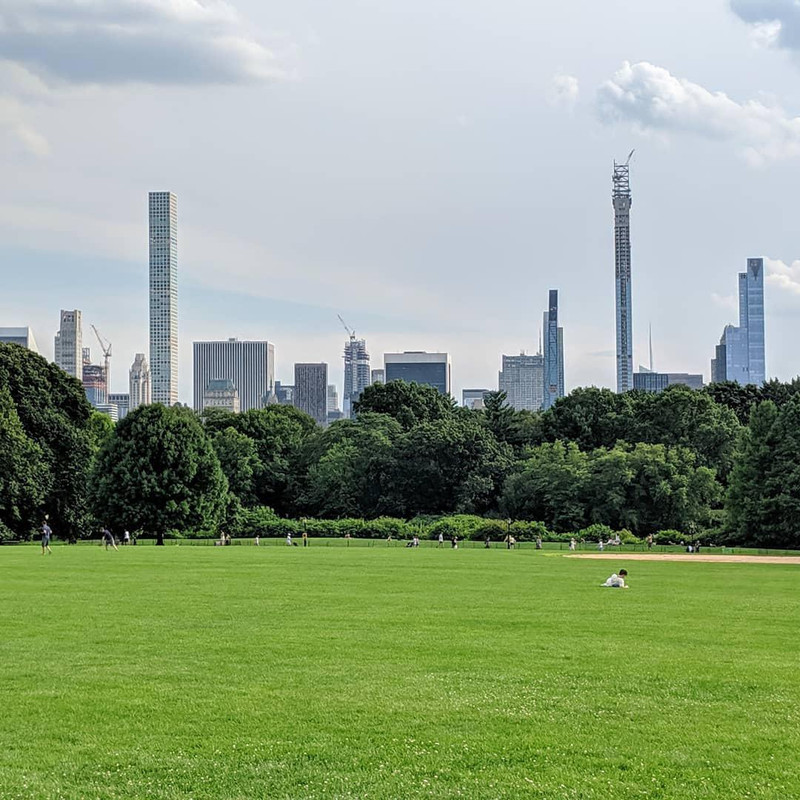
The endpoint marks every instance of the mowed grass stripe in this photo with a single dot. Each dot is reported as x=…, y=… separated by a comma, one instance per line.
x=391, y=673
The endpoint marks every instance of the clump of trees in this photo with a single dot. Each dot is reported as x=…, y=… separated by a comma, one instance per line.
x=720, y=463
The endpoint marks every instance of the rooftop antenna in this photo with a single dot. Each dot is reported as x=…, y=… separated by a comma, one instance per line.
x=651, y=347
x=540, y=342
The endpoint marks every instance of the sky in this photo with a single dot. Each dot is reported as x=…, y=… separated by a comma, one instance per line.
x=428, y=169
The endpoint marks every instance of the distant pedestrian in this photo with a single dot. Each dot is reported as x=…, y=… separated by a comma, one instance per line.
x=126, y=537
x=507, y=540
x=441, y=540
x=289, y=539
x=46, y=534
x=572, y=544
x=650, y=542
x=512, y=542
x=305, y=539
x=108, y=539
x=488, y=543
x=697, y=547
x=347, y=539
x=227, y=539
x=389, y=540
x=257, y=541
x=600, y=545
x=415, y=540
x=454, y=542
x=538, y=542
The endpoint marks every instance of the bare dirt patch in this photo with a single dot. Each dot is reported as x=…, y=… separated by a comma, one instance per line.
x=690, y=557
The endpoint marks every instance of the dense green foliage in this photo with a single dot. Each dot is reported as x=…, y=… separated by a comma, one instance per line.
x=159, y=472
x=46, y=446
x=387, y=673
x=679, y=460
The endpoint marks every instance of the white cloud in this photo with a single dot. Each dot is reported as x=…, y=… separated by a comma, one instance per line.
x=653, y=100
x=15, y=129
x=773, y=23
x=178, y=42
x=563, y=91
x=783, y=276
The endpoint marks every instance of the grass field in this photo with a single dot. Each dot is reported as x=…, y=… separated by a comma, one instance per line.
x=243, y=672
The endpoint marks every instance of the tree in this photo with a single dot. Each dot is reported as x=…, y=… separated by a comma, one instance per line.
x=349, y=467
x=24, y=477
x=451, y=464
x=409, y=403
x=548, y=487
x=158, y=473
x=279, y=434
x=590, y=418
x=684, y=417
x=648, y=487
x=238, y=458
x=763, y=501
x=498, y=415
x=54, y=414
x=739, y=399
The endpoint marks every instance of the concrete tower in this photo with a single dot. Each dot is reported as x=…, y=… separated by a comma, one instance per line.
x=621, y=200
x=163, y=208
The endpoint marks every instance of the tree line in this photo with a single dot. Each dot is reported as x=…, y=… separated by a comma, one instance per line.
x=720, y=463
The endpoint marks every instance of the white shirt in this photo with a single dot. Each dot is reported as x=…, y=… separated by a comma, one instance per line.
x=615, y=581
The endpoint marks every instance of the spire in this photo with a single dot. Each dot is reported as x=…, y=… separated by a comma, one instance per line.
x=651, y=347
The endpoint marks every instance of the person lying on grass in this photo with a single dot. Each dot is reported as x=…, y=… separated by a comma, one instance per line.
x=617, y=581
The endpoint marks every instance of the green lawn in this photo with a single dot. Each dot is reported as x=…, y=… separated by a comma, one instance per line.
x=244, y=672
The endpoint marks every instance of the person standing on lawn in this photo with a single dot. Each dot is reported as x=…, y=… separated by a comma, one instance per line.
x=46, y=534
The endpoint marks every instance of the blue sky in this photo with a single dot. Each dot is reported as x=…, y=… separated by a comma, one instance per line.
x=427, y=169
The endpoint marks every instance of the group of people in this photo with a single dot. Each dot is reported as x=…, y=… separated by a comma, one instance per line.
x=106, y=539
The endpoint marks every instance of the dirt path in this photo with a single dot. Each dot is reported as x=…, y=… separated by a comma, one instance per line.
x=690, y=557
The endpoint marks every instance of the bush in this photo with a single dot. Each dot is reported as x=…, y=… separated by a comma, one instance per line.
x=669, y=537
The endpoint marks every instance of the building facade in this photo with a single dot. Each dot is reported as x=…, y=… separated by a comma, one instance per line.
x=740, y=355
x=377, y=376
x=284, y=394
x=139, y=382
x=654, y=382
x=553, y=353
x=417, y=366
x=221, y=394
x=522, y=380
x=68, y=345
x=122, y=403
x=95, y=384
x=311, y=390
x=21, y=336
x=250, y=365
x=163, y=217
x=621, y=200
x=356, y=373
x=473, y=398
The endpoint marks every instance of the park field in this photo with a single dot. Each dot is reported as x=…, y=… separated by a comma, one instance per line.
x=333, y=672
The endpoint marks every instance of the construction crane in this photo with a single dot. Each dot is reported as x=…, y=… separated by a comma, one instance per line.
x=106, y=348
x=344, y=325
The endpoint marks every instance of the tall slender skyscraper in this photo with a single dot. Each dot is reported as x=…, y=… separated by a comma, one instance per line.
x=356, y=372
x=621, y=200
x=68, y=348
x=163, y=207
x=739, y=356
x=311, y=390
x=553, y=353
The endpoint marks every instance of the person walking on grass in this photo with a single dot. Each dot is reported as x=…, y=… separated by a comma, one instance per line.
x=538, y=542
x=257, y=542
x=126, y=537
x=600, y=545
x=454, y=542
x=389, y=540
x=289, y=539
x=46, y=534
x=488, y=544
x=441, y=540
x=108, y=539
x=305, y=539
x=572, y=544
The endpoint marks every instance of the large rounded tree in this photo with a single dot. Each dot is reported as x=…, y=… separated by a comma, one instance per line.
x=159, y=473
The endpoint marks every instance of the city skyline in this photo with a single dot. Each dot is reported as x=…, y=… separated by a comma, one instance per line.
x=428, y=208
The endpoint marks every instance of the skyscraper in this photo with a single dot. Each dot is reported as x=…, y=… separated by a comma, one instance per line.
x=139, y=382
x=68, y=346
x=122, y=402
x=377, y=376
x=95, y=384
x=356, y=372
x=522, y=379
x=473, y=398
x=417, y=366
x=20, y=336
x=740, y=354
x=553, y=353
x=163, y=214
x=621, y=200
x=250, y=365
x=311, y=390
